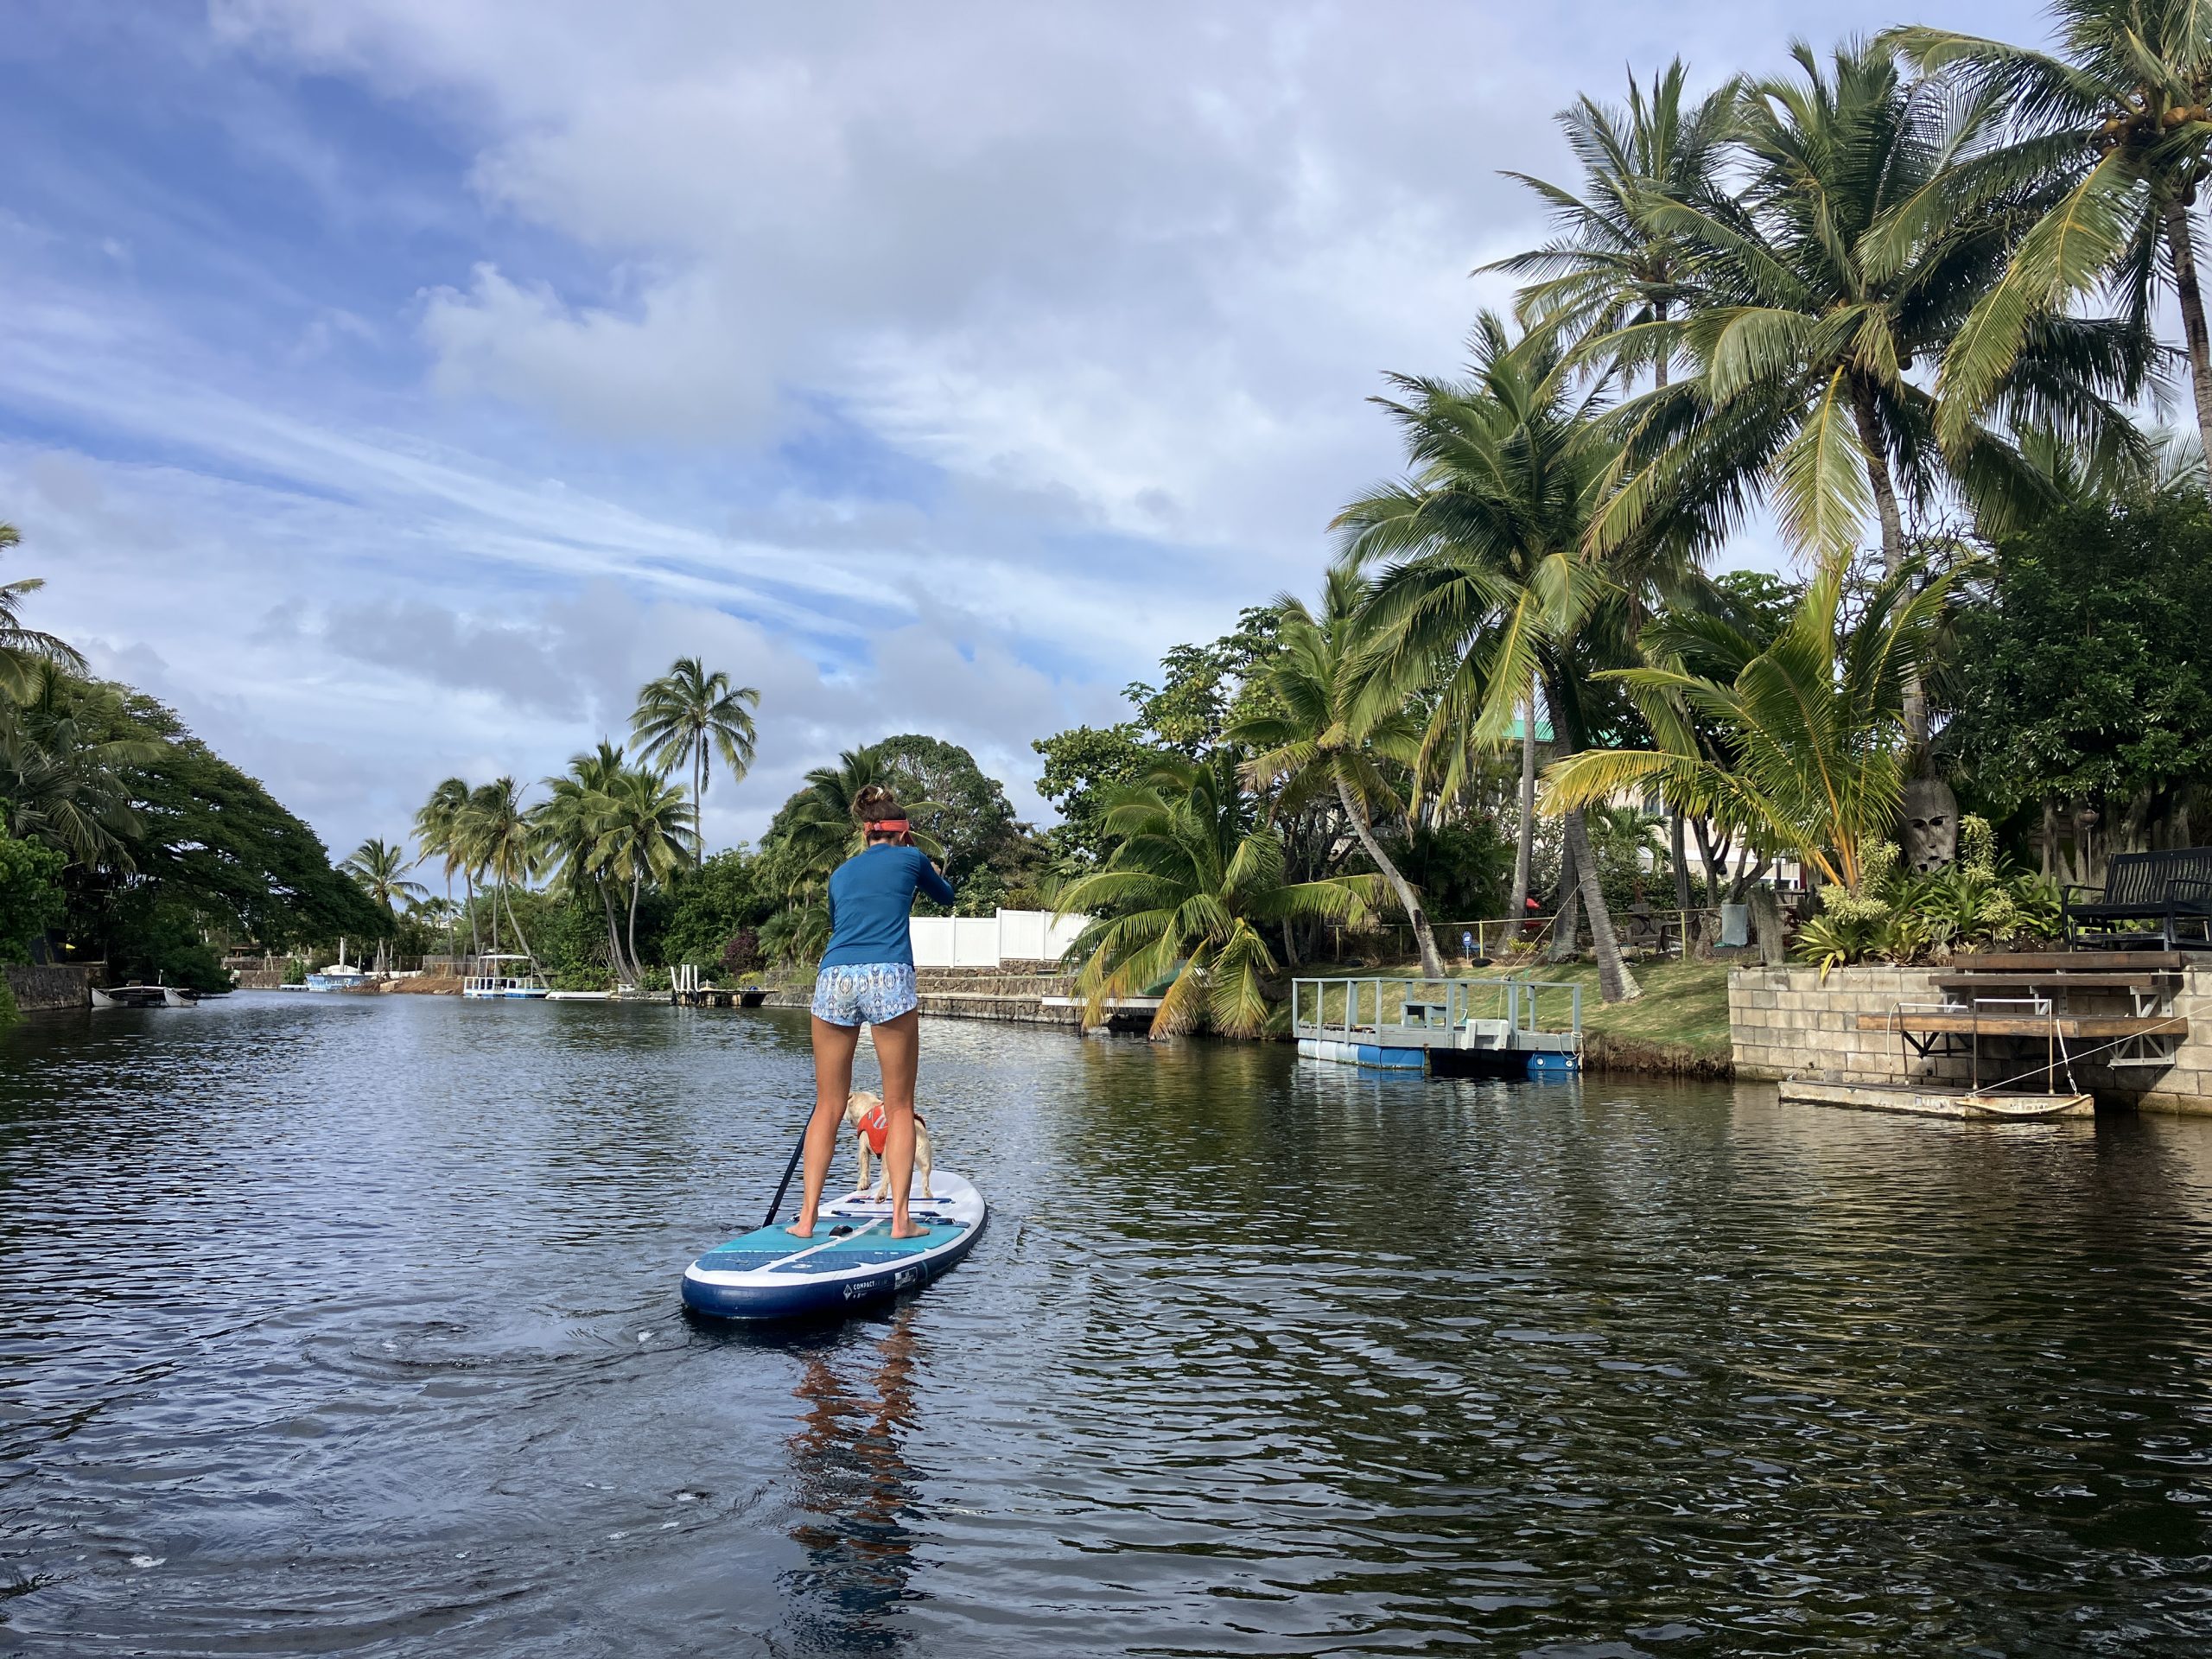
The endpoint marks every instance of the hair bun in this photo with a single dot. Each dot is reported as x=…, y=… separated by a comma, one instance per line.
x=875, y=804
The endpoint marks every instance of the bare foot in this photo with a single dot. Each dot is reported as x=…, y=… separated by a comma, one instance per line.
x=801, y=1230
x=910, y=1231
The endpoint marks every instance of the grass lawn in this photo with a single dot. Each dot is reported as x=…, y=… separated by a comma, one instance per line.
x=1684, y=1002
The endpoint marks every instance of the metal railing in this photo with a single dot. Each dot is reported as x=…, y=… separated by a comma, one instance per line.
x=1337, y=1005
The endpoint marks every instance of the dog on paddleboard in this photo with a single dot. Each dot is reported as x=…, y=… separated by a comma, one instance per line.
x=864, y=1117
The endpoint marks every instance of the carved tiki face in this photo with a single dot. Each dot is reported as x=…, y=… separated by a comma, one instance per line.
x=1931, y=825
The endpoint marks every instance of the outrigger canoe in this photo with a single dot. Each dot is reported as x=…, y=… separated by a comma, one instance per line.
x=850, y=1262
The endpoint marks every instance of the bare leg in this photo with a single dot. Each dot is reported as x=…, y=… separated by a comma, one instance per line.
x=833, y=1082
x=899, y=1053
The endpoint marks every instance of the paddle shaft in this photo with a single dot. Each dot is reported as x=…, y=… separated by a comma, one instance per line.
x=790, y=1169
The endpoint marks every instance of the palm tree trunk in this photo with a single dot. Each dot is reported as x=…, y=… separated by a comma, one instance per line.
x=1566, y=926
x=698, y=804
x=1885, y=506
x=2182, y=245
x=1424, y=938
x=475, y=938
x=1680, y=850
x=1615, y=982
x=622, y=969
x=633, y=929
x=1525, y=843
x=514, y=922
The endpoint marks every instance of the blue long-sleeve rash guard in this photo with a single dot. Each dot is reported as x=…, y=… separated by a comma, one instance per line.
x=871, y=896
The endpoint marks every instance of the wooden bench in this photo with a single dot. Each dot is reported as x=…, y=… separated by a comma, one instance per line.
x=2173, y=889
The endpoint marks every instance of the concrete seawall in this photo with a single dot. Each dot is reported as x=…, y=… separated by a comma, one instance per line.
x=45, y=987
x=1787, y=1022
x=1012, y=995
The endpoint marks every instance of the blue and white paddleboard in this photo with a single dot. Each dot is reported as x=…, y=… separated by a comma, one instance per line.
x=851, y=1261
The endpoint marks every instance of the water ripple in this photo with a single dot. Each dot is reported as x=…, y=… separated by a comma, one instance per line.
x=339, y=1326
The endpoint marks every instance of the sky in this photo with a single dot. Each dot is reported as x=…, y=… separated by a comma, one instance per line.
x=392, y=385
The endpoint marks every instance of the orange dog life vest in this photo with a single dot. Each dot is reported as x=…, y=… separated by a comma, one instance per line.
x=876, y=1130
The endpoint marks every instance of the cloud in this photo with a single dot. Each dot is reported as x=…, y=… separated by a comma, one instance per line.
x=926, y=366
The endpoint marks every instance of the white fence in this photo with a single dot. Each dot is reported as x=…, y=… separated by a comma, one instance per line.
x=988, y=941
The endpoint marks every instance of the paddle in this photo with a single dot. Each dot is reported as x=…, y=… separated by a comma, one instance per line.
x=784, y=1185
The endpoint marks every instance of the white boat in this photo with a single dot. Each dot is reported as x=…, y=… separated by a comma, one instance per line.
x=499, y=976
x=339, y=976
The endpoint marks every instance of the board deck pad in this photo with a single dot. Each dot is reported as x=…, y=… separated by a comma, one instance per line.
x=769, y=1247
x=850, y=1259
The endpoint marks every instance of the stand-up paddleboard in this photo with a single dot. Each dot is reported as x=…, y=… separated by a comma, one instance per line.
x=851, y=1261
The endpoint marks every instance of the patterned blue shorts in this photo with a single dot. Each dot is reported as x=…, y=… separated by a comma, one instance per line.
x=854, y=993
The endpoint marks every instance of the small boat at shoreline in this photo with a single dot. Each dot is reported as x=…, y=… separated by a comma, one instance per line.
x=340, y=976
x=493, y=976
x=144, y=996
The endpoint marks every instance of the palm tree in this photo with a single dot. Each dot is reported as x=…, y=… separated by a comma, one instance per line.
x=1485, y=578
x=1184, y=896
x=500, y=840
x=1847, y=258
x=690, y=715
x=2116, y=120
x=1814, y=723
x=61, y=783
x=21, y=648
x=1315, y=736
x=438, y=827
x=570, y=820
x=1609, y=268
x=378, y=868
x=642, y=835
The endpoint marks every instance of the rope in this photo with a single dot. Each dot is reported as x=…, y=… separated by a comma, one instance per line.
x=2179, y=1022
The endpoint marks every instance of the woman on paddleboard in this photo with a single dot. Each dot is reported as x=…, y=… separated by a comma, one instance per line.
x=867, y=977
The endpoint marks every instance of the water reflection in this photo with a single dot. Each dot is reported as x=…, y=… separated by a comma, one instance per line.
x=341, y=1325
x=856, y=1493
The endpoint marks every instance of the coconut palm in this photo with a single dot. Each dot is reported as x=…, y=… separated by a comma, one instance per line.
x=2116, y=120
x=1608, y=268
x=1484, y=577
x=1316, y=735
x=499, y=841
x=1848, y=257
x=689, y=714
x=21, y=649
x=1815, y=726
x=438, y=833
x=570, y=820
x=641, y=834
x=62, y=782
x=1184, y=897
x=378, y=869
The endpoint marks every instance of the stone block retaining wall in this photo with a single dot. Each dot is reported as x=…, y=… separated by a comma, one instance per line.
x=1786, y=1022
x=46, y=986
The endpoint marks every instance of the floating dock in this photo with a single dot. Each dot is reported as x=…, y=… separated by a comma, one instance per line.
x=1936, y=1101
x=1442, y=1028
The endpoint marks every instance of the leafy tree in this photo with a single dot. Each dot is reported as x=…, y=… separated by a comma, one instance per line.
x=955, y=805
x=1187, y=896
x=1084, y=769
x=207, y=849
x=66, y=758
x=1322, y=733
x=2084, y=675
x=31, y=899
x=378, y=869
x=1190, y=708
x=689, y=714
x=2114, y=125
x=713, y=906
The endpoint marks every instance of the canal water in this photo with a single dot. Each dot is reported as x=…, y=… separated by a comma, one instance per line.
x=335, y=1325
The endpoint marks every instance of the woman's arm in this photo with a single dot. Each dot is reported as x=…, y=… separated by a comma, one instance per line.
x=931, y=879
